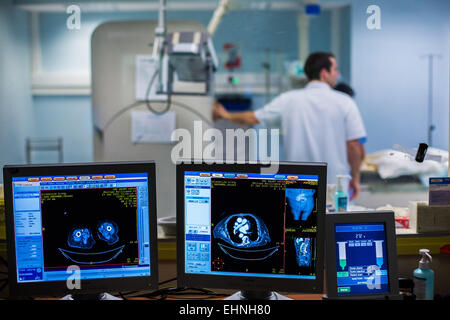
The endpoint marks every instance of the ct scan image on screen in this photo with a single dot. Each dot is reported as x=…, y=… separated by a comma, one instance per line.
x=262, y=225
x=89, y=227
x=361, y=258
x=99, y=223
x=247, y=232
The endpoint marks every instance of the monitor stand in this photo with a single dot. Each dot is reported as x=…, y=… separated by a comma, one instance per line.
x=257, y=295
x=90, y=296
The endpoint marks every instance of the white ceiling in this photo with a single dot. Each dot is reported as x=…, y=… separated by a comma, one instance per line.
x=178, y=5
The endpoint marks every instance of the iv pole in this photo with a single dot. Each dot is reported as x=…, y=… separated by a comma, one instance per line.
x=431, y=126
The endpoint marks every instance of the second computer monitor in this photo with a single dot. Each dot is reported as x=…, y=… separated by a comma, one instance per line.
x=239, y=228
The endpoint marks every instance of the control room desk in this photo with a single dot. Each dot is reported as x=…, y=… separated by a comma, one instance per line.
x=408, y=245
x=199, y=298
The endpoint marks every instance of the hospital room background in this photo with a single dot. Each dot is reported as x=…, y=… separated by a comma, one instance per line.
x=399, y=72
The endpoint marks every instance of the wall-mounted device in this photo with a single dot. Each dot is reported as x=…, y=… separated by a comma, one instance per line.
x=187, y=56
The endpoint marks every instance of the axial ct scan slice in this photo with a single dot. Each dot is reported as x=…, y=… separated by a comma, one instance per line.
x=247, y=230
x=243, y=231
x=301, y=202
x=107, y=231
x=82, y=238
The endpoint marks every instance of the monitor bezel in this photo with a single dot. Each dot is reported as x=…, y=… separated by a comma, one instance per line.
x=354, y=217
x=254, y=283
x=87, y=286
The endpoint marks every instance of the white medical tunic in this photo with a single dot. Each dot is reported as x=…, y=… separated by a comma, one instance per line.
x=315, y=123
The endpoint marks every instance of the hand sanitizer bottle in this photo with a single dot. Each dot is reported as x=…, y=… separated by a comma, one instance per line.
x=341, y=194
x=424, y=277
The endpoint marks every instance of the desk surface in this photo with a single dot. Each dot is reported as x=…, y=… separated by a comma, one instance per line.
x=198, y=297
x=194, y=297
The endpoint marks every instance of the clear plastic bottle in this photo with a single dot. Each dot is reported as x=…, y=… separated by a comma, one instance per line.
x=341, y=194
x=424, y=277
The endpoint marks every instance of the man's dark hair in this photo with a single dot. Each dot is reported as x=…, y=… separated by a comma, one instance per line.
x=343, y=87
x=315, y=63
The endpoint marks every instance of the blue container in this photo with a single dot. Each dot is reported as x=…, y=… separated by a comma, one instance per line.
x=424, y=277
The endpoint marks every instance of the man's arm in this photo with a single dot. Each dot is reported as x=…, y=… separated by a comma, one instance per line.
x=355, y=155
x=244, y=118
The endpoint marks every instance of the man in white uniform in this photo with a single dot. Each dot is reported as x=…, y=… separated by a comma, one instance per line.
x=319, y=124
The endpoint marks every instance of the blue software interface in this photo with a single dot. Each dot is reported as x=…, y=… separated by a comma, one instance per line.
x=250, y=224
x=97, y=222
x=361, y=258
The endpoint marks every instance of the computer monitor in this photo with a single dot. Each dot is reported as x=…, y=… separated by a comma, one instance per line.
x=361, y=255
x=238, y=228
x=81, y=229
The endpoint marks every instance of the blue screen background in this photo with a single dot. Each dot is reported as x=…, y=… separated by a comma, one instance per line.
x=361, y=258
